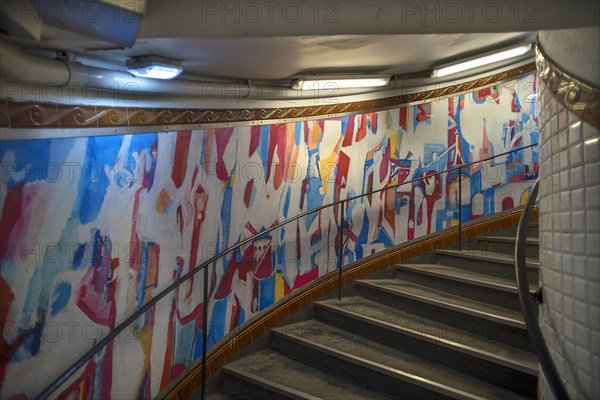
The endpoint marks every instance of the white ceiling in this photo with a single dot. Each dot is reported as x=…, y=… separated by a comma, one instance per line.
x=274, y=58
x=376, y=36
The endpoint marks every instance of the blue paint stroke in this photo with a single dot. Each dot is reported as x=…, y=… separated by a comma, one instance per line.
x=61, y=296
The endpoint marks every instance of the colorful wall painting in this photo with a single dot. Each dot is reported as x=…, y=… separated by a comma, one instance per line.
x=93, y=227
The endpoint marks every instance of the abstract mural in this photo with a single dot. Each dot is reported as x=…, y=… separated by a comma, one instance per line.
x=93, y=227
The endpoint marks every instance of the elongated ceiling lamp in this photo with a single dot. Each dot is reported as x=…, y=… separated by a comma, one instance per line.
x=339, y=82
x=481, y=61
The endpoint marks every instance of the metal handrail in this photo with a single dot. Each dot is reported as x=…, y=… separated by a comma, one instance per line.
x=535, y=333
x=54, y=385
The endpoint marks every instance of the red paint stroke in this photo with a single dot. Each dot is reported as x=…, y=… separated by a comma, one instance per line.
x=410, y=234
x=200, y=201
x=207, y=149
x=390, y=208
x=257, y=258
x=6, y=298
x=372, y=118
x=403, y=118
x=83, y=387
x=248, y=192
x=362, y=128
x=298, y=248
x=168, y=363
x=222, y=136
x=349, y=132
x=277, y=141
x=11, y=213
x=424, y=112
x=236, y=311
x=385, y=163
x=341, y=177
x=507, y=203
x=370, y=187
x=97, y=292
x=308, y=277
x=303, y=190
x=254, y=139
x=180, y=159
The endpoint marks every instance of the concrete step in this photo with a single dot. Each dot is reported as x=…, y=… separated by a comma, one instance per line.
x=463, y=350
x=399, y=373
x=269, y=375
x=504, y=245
x=533, y=231
x=219, y=396
x=486, y=320
x=471, y=284
x=500, y=265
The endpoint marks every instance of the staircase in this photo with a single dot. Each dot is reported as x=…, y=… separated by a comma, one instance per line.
x=448, y=326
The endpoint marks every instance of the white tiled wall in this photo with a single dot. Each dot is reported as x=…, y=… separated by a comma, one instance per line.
x=570, y=246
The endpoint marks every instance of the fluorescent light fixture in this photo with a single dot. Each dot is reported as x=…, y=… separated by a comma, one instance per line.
x=478, y=62
x=340, y=82
x=154, y=67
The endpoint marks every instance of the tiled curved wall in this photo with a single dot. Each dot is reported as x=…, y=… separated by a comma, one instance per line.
x=569, y=239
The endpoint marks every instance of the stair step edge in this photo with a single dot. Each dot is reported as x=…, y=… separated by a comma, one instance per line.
x=383, y=369
x=507, y=239
x=268, y=384
x=530, y=263
x=455, y=307
x=473, y=281
x=460, y=347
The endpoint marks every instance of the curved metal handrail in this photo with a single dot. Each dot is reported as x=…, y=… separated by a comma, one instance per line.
x=55, y=384
x=535, y=333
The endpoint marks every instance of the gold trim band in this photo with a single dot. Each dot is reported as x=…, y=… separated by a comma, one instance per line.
x=577, y=96
x=47, y=115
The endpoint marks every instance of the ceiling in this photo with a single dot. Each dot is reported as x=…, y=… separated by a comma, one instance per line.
x=282, y=58
x=231, y=41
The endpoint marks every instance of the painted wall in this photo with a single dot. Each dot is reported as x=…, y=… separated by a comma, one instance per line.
x=94, y=227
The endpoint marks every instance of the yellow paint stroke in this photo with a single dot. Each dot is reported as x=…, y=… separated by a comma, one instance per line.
x=279, y=286
x=162, y=201
x=314, y=135
x=327, y=165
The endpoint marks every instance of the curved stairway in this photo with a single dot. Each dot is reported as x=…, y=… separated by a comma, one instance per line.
x=447, y=325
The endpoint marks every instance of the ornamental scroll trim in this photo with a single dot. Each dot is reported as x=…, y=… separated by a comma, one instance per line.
x=576, y=95
x=48, y=115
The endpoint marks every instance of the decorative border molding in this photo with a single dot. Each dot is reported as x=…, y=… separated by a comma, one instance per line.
x=48, y=115
x=252, y=330
x=579, y=97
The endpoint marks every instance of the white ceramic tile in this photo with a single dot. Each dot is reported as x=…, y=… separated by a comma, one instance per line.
x=576, y=177
x=582, y=335
x=577, y=199
x=589, y=132
x=578, y=221
x=593, y=244
x=575, y=133
x=579, y=266
x=594, y=317
x=578, y=241
x=592, y=173
x=582, y=314
x=593, y=268
x=592, y=196
x=591, y=150
x=593, y=221
x=575, y=155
